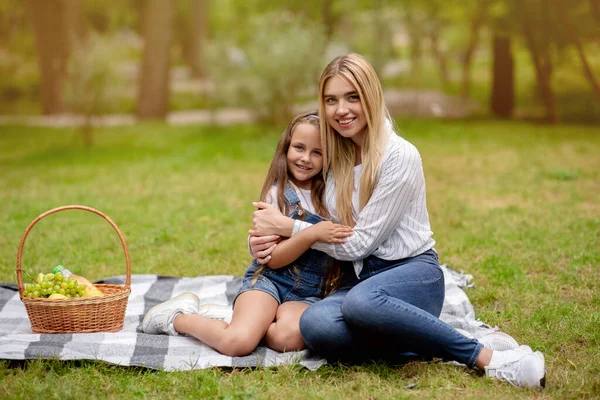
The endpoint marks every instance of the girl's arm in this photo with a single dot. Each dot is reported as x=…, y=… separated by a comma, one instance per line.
x=401, y=182
x=289, y=250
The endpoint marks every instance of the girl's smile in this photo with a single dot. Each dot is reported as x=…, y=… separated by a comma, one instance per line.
x=304, y=156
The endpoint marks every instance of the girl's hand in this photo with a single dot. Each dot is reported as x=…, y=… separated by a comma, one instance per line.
x=328, y=232
x=262, y=247
x=268, y=220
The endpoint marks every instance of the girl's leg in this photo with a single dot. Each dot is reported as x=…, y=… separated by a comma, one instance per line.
x=284, y=333
x=402, y=306
x=254, y=311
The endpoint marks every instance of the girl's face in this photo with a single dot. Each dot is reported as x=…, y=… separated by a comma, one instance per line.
x=304, y=156
x=343, y=109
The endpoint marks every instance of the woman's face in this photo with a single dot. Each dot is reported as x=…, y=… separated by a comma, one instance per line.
x=343, y=109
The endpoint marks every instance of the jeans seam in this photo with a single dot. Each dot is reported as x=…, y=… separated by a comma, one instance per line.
x=437, y=279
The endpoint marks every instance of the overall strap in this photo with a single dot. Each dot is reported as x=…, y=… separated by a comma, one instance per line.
x=290, y=195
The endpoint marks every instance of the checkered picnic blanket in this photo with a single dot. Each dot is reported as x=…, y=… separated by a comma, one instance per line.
x=132, y=347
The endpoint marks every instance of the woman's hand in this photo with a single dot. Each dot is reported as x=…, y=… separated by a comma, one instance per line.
x=268, y=220
x=262, y=247
x=328, y=232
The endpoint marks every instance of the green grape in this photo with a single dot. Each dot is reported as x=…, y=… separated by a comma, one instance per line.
x=36, y=293
x=56, y=288
x=64, y=285
x=48, y=277
x=44, y=291
x=62, y=291
x=72, y=283
x=25, y=293
x=59, y=277
x=80, y=288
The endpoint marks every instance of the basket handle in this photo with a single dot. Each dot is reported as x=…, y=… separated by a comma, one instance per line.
x=71, y=207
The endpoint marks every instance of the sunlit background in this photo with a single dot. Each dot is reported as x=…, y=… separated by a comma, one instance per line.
x=259, y=60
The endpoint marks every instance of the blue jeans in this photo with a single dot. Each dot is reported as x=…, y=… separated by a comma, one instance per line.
x=391, y=312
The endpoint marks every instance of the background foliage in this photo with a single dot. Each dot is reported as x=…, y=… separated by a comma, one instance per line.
x=255, y=53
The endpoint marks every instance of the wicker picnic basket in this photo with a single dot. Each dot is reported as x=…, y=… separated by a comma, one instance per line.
x=83, y=314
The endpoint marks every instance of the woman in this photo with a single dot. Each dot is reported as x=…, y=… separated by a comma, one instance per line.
x=392, y=290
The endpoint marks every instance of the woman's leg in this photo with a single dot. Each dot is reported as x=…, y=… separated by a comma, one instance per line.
x=253, y=313
x=284, y=333
x=323, y=327
x=402, y=306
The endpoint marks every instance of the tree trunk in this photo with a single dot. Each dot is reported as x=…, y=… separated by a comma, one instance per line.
x=416, y=46
x=50, y=24
x=198, y=32
x=595, y=9
x=561, y=13
x=76, y=22
x=440, y=58
x=379, y=39
x=503, y=80
x=543, y=71
x=153, y=94
x=476, y=23
x=329, y=19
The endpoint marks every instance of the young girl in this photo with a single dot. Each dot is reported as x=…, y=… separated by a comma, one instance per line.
x=392, y=290
x=272, y=297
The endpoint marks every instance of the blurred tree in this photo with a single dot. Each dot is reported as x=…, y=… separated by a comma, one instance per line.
x=331, y=17
x=595, y=6
x=91, y=77
x=276, y=66
x=538, y=28
x=562, y=12
x=191, y=32
x=503, y=23
x=476, y=20
x=153, y=91
x=414, y=21
x=56, y=23
x=502, y=99
x=198, y=34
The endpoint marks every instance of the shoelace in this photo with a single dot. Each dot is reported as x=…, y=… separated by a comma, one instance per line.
x=508, y=375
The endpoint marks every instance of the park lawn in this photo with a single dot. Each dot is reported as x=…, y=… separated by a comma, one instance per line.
x=514, y=204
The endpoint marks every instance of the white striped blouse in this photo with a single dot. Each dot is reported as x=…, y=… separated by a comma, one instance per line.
x=394, y=224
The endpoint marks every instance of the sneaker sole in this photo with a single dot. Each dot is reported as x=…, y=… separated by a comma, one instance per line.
x=540, y=357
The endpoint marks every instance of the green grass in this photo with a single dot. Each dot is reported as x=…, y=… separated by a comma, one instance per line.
x=514, y=204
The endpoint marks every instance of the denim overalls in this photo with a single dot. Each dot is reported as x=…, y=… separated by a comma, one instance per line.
x=304, y=279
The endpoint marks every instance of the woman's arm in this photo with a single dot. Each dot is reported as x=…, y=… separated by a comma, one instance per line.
x=401, y=181
x=268, y=220
x=289, y=250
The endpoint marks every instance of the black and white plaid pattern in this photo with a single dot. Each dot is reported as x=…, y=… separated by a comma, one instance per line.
x=132, y=347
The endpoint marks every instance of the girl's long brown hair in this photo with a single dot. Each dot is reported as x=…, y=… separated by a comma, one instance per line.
x=278, y=171
x=278, y=175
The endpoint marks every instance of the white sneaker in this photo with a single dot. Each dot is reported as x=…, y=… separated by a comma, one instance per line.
x=519, y=367
x=216, y=311
x=498, y=341
x=159, y=319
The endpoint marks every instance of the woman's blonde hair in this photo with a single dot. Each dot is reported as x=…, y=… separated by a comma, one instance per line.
x=340, y=152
